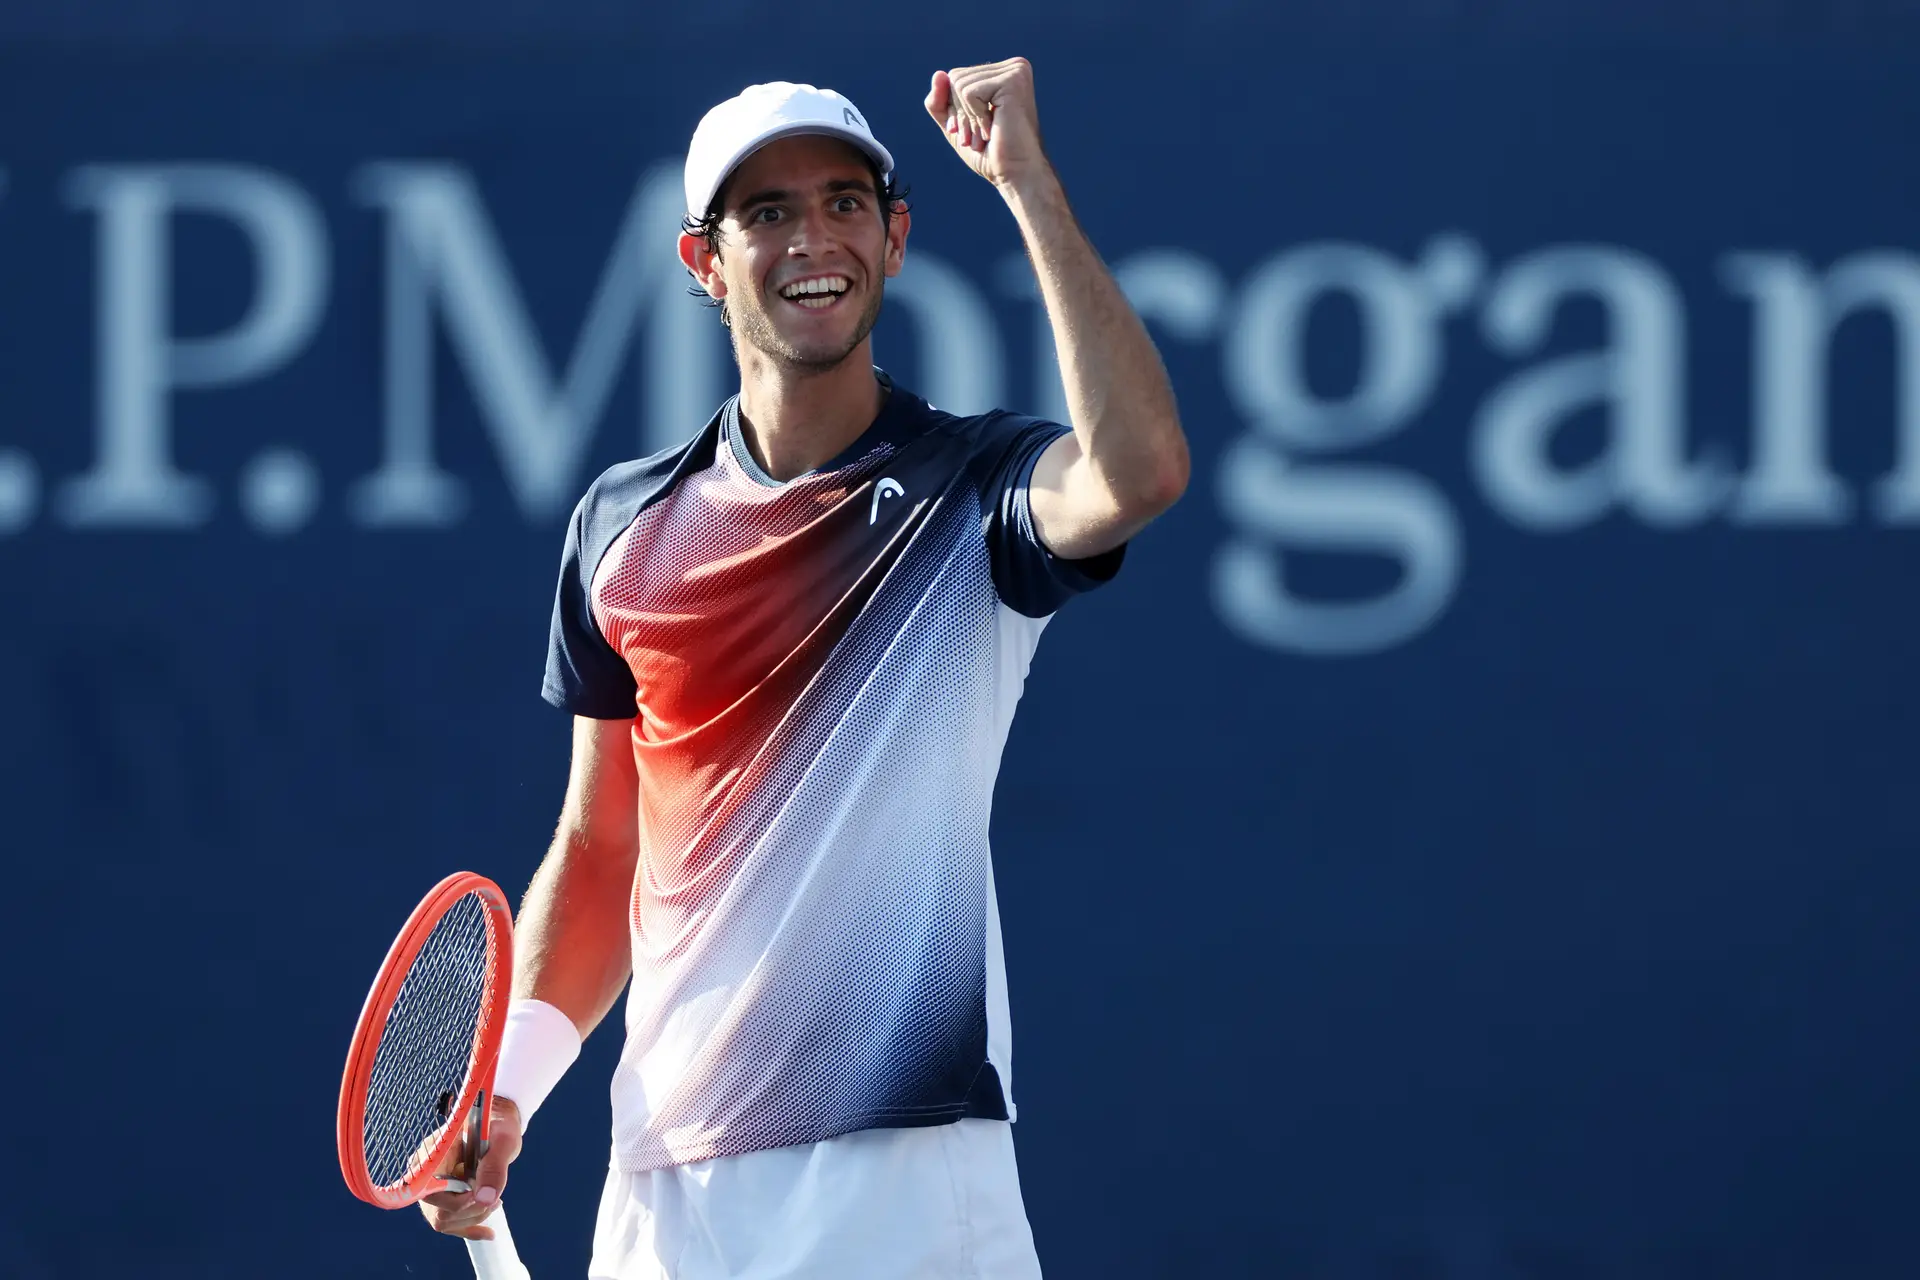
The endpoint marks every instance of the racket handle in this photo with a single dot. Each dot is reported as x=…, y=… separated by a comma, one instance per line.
x=497, y=1259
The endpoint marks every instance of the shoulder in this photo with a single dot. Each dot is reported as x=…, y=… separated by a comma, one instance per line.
x=1000, y=452
x=988, y=440
x=624, y=490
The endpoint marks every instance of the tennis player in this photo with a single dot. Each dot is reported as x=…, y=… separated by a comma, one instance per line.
x=792, y=649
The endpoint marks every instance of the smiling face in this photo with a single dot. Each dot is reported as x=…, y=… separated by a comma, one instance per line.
x=804, y=251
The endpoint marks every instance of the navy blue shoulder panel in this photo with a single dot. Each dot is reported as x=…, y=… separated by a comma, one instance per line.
x=586, y=675
x=1029, y=578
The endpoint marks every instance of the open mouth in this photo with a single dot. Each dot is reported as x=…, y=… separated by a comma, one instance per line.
x=816, y=294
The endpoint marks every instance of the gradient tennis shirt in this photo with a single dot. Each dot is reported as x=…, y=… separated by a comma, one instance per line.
x=821, y=675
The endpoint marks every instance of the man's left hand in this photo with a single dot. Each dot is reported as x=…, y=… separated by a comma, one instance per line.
x=989, y=117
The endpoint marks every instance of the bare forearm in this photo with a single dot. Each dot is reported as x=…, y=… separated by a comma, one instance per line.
x=1118, y=396
x=572, y=948
x=1126, y=460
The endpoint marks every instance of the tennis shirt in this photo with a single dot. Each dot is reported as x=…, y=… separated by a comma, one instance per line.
x=821, y=675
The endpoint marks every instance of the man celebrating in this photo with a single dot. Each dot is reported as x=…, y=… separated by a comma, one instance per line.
x=792, y=649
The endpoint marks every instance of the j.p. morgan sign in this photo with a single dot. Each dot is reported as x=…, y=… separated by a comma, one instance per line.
x=1290, y=474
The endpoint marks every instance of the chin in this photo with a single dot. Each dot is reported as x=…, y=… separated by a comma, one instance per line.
x=820, y=351
x=817, y=358
x=816, y=347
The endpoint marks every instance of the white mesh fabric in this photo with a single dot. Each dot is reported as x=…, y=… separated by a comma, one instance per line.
x=825, y=694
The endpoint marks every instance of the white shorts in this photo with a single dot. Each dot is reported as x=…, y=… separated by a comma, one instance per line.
x=882, y=1204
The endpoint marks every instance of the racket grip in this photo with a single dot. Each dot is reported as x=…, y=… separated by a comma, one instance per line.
x=497, y=1259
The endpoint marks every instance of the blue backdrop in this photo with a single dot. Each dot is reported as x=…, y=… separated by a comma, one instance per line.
x=1473, y=839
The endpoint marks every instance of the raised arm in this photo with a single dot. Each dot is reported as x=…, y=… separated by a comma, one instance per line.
x=1126, y=460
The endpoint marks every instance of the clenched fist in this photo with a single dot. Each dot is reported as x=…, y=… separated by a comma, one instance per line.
x=989, y=116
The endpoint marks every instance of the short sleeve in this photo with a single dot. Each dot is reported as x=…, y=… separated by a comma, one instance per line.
x=1029, y=578
x=585, y=674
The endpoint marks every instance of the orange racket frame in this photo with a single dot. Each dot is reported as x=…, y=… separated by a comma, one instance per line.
x=372, y=1025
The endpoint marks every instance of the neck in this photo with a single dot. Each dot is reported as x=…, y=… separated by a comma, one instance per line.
x=796, y=420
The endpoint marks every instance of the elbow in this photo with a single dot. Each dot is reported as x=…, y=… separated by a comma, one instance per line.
x=1164, y=482
x=1178, y=471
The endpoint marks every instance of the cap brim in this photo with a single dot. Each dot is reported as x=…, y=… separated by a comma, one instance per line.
x=865, y=143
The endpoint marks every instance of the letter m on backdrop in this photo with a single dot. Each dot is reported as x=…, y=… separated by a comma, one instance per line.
x=443, y=257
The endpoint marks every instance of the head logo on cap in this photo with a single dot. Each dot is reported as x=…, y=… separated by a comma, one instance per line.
x=764, y=113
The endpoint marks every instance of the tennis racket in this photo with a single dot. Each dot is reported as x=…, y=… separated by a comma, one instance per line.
x=419, y=1078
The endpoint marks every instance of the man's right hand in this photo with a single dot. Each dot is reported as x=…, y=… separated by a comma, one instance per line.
x=462, y=1213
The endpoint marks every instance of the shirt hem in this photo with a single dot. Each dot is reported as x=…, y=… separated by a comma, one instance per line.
x=891, y=1118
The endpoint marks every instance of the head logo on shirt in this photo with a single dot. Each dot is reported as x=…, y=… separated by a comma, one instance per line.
x=887, y=488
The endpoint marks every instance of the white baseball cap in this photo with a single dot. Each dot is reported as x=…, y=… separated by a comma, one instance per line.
x=757, y=115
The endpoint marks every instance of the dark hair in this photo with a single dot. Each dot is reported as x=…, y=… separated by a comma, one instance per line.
x=708, y=228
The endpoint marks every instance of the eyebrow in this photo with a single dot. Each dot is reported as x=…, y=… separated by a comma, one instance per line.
x=837, y=186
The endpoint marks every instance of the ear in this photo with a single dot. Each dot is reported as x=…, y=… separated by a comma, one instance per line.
x=704, y=263
x=897, y=227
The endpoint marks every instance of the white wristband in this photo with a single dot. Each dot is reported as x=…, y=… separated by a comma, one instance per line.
x=539, y=1044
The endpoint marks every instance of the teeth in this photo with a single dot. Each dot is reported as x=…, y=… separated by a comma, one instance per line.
x=820, y=284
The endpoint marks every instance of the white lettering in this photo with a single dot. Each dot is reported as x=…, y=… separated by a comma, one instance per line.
x=1348, y=509
x=1795, y=315
x=441, y=250
x=1266, y=345
x=19, y=490
x=140, y=363
x=958, y=354
x=1640, y=374
x=1279, y=506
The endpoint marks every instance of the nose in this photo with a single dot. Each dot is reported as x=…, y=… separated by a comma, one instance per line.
x=812, y=236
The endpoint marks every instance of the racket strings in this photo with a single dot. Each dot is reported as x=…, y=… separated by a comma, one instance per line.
x=426, y=1047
